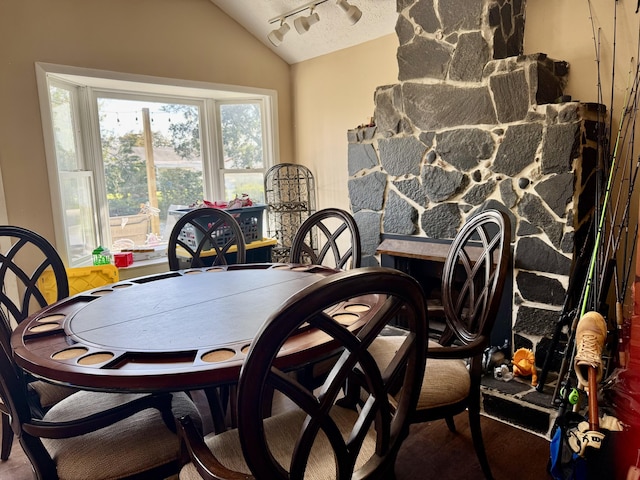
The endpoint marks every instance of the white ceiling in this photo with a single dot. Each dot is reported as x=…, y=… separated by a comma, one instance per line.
x=333, y=32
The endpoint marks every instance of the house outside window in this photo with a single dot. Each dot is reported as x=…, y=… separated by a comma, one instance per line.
x=125, y=153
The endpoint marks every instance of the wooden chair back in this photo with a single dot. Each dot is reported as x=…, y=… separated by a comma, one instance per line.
x=329, y=237
x=379, y=423
x=204, y=237
x=474, y=275
x=24, y=257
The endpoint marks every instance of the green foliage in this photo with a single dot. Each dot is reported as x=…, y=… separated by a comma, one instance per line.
x=242, y=135
x=178, y=186
x=185, y=134
x=125, y=175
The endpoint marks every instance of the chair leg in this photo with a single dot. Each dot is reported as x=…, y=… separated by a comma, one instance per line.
x=218, y=406
x=233, y=406
x=7, y=438
x=451, y=424
x=478, y=443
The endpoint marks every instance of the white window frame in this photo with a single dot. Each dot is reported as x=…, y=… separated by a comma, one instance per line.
x=92, y=82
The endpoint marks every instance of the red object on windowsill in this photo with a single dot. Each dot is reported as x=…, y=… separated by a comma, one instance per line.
x=123, y=259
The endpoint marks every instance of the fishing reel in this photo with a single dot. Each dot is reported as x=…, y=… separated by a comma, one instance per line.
x=572, y=396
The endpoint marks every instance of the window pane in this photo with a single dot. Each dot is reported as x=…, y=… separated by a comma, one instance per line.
x=143, y=181
x=77, y=203
x=238, y=184
x=241, y=127
x=63, y=128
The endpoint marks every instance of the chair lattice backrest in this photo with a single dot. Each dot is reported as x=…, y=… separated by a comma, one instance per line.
x=474, y=275
x=24, y=257
x=205, y=237
x=356, y=441
x=329, y=237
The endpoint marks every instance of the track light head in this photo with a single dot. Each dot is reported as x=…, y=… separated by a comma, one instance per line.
x=276, y=36
x=353, y=13
x=303, y=24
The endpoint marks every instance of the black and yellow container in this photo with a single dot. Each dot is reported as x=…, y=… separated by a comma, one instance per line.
x=80, y=279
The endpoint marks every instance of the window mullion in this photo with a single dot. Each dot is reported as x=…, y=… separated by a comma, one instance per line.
x=92, y=149
x=270, y=133
x=214, y=187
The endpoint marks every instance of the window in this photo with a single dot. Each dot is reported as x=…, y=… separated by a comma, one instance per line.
x=124, y=152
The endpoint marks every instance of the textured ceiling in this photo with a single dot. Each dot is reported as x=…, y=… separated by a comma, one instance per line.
x=333, y=32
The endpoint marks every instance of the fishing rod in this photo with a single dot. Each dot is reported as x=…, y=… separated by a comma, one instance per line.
x=613, y=58
x=629, y=265
x=620, y=337
x=567, y=360
x=624, y=220
x=605, y=275
x=629, y=175
x=607, y=195
x=618, y=224
x=578, y=274
x=612, y=171
x=620, y=324
x=628, y=127
x=571, y=300
x=632, y=182
x=621, y=292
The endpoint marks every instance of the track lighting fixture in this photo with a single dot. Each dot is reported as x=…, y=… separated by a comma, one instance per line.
x=276, y=36
x=353, y=13
x=303, y=24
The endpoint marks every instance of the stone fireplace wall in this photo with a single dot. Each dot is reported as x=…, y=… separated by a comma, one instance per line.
x=474, y=124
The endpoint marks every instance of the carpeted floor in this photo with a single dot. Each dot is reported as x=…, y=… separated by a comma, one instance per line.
x=431, y=451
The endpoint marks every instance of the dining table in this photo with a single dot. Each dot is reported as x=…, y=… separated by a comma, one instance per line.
x=181, y=330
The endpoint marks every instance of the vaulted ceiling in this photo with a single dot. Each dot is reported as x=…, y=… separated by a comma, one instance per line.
x=333, y=32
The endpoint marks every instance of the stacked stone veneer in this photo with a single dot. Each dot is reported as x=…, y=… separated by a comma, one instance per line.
x=473, y=124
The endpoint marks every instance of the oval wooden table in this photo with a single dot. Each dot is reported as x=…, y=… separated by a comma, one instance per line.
x=177, y=331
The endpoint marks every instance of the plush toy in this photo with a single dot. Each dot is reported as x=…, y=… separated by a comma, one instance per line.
x=524, y=364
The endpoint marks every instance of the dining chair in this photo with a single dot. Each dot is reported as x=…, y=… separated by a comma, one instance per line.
x=208, y=237
x=91, y=434
x=287, y=431
x=329, y=237
x=472, y=282
x=205, y=237
x=25, y=258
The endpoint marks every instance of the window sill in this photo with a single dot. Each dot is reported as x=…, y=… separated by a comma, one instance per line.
x=144, y=267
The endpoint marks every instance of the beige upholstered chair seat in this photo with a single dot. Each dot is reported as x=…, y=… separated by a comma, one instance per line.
x=127, y=447
x=445, y=382
x=281, y=432
x=50, y=394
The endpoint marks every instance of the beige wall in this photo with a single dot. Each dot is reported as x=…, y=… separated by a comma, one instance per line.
x=563, y=30
x=333, y=94
x=185, y=39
